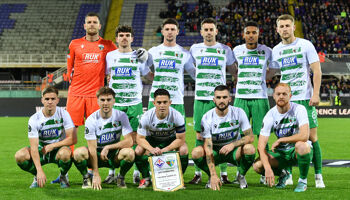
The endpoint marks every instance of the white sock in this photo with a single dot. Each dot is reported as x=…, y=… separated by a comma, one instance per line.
x=198, y=173
x=111, y=171
x=302, y=180
x=318, y=176
x=136, y=173
x=90, y=171
x=223, y=173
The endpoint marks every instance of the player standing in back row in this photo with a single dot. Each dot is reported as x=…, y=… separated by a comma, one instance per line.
x=295, y=57
x=212, y=59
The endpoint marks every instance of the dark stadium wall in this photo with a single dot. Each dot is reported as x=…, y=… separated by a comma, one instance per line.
x=22, y=107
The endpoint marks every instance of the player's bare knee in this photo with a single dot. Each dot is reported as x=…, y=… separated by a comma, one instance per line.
x=127, y=154
x=313, y=135
x=248, y=149
x=81, y=154
x=139, y=151
x=197, y=152
x=302, y=148
x=183, y=150
x=22, y=155
x=64, y=154
x=258, y=167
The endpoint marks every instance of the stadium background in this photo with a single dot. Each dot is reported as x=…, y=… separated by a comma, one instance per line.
x=34, y=38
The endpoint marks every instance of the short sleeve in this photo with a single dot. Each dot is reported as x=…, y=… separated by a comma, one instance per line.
x=267, y=125
x=126, y=128
x=90, y=129
x=229, y=56
x=301, y=115
x=33, y=130
x=67, y=120
x=311, y=53
x=144, y=69
x=142, y=129
x=206, y=131
x=243, y=120
x=180, y=126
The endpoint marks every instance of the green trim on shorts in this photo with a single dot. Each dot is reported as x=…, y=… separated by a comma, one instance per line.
x=178, y=107
x=222, y=158
x=199, y=109
x=255, y=109
x=311, y=112
x=134, y=114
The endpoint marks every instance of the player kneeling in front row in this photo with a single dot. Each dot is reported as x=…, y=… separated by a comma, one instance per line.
x=291, y=126
x=161, y=129
x=50, y=133
x=103, y=130
x=222, y=140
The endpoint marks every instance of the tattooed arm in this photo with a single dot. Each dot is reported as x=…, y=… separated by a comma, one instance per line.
x=247, y=139
x=215, y=182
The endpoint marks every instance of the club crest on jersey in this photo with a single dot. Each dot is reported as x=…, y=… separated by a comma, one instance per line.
x=107, y=138
x=82, y=46
x=50, y=133
x=251, y=60
x=123, y=71
x=91, y=57
x=289, y=61
x=101, y=47
x=209, y=61
x=159, y=163
x=167, y=64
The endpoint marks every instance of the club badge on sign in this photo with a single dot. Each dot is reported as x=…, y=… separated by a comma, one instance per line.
x=166, y=172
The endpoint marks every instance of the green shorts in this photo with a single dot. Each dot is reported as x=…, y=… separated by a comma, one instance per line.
x=222, y=158
x=133, y=112
x=178, y=107
x=110, y=163
x=255, y=109
x=49, y=157
x=199, y=109
x=286, y=158
x=311, y=112
x=160, y=144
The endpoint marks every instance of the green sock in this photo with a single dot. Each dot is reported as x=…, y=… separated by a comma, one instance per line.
x=202, y=164
x=245, y=163
x=125, y=166
x=317, y=157
x=28, y=166
x=289, y=169
x=304, y=164
x=81, y=166
x=198, y=143
x=184, y=162
x=135, y=167
x=143, y=165
x=64, y=166
x=223, y=167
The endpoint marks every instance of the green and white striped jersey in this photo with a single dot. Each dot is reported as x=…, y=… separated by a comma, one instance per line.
x=161, y=130
x=125, y=72
x=294, y=61
x=169, y=65
x=224, y=130
x=211, y=62
x=284, y=125
x=49, y=129
x=252, y=65
x=107, y=131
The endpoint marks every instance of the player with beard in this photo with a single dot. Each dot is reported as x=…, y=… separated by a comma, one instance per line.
x=223, y=143
x=289, y=122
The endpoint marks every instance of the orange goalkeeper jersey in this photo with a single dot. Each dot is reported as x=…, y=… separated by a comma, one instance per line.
x=86, y=65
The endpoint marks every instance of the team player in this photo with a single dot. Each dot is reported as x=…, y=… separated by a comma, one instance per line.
x=252, y=60
x=103, y=131
x=50, y=132
x=289, y=122
x=222, y=139
x=170, y=60
x=212, y=59
x=124, y=69
x=161, y=129
x=295, y=57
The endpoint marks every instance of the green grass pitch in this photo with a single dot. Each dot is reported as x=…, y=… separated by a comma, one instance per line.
x=333, y=134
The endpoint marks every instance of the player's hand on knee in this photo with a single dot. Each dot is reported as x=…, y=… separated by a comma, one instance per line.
x=104, y=154
x=96, y=182
x=215, y=183
x=275, y=145
x=226, y=149
x=41, y=178
x=47, y=149
x=142, y=55
x=270, y=177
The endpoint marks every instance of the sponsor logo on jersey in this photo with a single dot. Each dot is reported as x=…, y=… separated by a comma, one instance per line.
x=91, y=57
x=107, y=138
x=289, y=61
x=251, y=60
x=101, y=47
x=167, y=64
x=50, y=133
x=123, y=71
x=285, y=132
x=159, y=163
x=209, y=61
